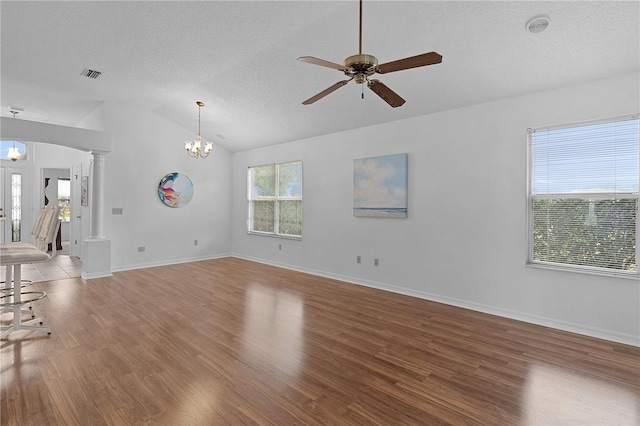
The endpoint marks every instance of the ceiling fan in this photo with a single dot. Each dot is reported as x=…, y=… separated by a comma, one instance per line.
x=361, y=66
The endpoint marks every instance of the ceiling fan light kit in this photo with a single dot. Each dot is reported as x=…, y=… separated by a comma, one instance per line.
x=362, y=66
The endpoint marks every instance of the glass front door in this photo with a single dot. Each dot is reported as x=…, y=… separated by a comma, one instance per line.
x=12, y=184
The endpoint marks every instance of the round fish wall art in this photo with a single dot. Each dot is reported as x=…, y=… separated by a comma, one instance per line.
x=175, y=190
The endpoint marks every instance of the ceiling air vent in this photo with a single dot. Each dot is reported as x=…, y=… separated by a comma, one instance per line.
x=91, y=73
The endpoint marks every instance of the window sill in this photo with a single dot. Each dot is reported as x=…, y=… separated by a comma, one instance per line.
x=282, y=236
x=585, y=270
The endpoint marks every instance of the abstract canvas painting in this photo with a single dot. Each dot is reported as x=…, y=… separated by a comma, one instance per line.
x=84, y=191
x=380, y=186
x=175, y=190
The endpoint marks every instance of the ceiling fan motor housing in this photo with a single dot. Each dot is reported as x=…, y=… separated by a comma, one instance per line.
x=360, y=67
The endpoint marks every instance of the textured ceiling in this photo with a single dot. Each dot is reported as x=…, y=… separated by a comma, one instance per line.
x=239, y=58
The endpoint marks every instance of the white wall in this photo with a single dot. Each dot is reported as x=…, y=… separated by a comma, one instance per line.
x=464, y=242
x=145, y=148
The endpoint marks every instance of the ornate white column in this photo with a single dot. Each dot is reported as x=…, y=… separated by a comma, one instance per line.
x=96, y=252
x=97, y=194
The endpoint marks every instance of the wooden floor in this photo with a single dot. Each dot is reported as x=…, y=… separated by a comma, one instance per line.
x=234, y=342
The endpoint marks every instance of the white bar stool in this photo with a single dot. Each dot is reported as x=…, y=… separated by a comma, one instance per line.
x=13, y=256
x=13, y=259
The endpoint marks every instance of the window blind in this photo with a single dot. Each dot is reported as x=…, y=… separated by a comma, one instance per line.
x=583, y=195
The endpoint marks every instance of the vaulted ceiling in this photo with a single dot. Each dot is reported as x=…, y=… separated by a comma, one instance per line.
x=239, y=58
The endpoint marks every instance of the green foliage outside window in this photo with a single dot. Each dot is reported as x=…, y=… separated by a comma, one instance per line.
x=275, y=199
x=596, y=233
x=291, y=217
x=263, y=181
x=65, y=210
x=263, y=216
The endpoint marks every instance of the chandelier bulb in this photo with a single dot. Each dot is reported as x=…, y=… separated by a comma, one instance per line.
x=13, y=154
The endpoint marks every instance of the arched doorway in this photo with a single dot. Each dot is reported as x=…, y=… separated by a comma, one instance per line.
x=96, y=248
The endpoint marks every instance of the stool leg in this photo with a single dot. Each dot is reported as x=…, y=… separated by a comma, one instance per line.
x=7, y=280
x=6, y=330
x=17, y=309
x=17, y=295
x=7, y=288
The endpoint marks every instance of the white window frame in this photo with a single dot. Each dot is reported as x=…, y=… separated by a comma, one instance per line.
x=276, y=198
x=590, y=196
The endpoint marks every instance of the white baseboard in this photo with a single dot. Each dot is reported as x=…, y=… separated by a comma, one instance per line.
x=168, y=262
x=627, y=339
x=87, y=276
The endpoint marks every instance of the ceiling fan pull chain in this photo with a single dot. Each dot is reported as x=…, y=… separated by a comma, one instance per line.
x=362, y=86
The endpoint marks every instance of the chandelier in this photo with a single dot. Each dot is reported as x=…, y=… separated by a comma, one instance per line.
x=14, y=154
x=194, y=148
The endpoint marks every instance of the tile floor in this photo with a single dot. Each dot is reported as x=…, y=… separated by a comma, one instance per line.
x=60, y=267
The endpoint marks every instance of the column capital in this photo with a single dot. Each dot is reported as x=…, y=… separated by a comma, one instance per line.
x=98, y=153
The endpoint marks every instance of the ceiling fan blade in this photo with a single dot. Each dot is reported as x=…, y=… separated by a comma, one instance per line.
x=322, y=63
x=388, y=95
x=325, y=92
x=411, y=62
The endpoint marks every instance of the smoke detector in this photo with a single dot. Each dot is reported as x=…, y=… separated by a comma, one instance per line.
x=538, y=24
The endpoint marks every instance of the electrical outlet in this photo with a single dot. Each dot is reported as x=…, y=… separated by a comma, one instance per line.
x=375, y=262
x=279, y=246
x=117, y=210
x=195, y=242
x=358, y=259
x=141, y=249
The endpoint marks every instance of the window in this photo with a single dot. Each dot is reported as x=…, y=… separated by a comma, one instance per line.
x=64, y=199
x=583, y=196
x=9, y=147
x=275, y=199
x=16, y=207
